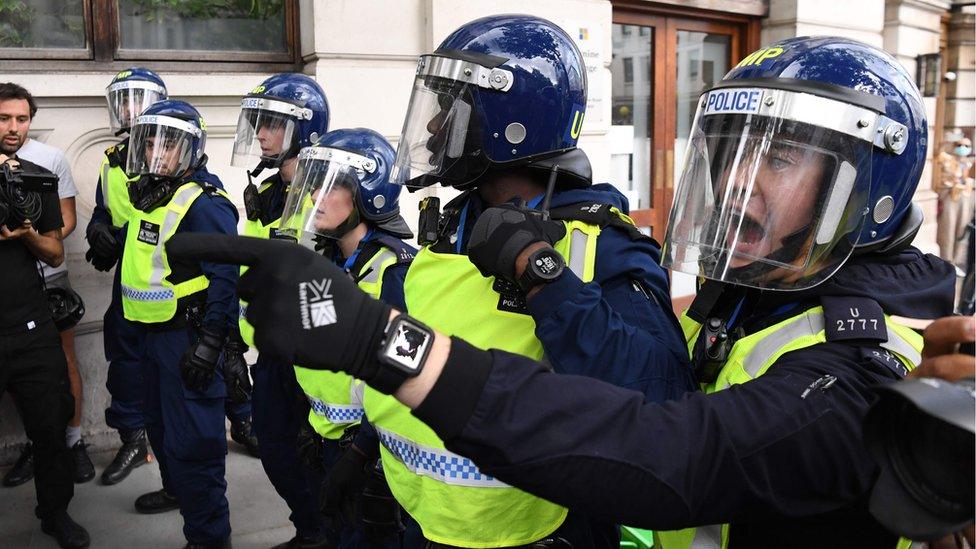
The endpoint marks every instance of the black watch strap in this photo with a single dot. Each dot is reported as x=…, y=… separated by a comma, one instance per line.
x=531, y=278
x=402, y=354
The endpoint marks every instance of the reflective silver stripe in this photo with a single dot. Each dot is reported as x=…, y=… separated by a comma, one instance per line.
x=160, y=120
x=459, y=70
x=356, y=388
x=182, y=198
x=811, y=324
x=106, y=167
x=137, y=84
x=339, y=156
x=577, y=252
x=374, y=274
x=437, y=463
x=806, y=325
x=899, y=345
x=708, y=537
x=282, y=107
x=338, y=414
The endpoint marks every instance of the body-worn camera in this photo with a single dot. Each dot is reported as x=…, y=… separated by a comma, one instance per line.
x=20, y=194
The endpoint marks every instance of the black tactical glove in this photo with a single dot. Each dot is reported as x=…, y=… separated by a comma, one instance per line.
x=305, y=310
x=200, y=360
x=235, y=369
x=502, y=232
x=103, y=246
x=342, y=487
x=310, y=446
x=379, y=509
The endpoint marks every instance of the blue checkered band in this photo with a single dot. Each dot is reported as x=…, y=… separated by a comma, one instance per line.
x=148, y=295
x=242, y=312
x=337, y=414
x=437, y=463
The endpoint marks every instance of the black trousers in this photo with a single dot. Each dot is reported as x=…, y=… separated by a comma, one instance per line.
x=33, y=370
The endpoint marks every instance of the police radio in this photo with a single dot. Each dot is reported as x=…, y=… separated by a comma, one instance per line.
x=428, y=224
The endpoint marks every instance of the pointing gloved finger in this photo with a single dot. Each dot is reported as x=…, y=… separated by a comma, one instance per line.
x=220, y=248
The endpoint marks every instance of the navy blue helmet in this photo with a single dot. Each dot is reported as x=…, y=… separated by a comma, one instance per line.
x=168, y=139
x=499, y=92
x=129, y=93
x=807, y=152
x=285, y=113
x=341, y=181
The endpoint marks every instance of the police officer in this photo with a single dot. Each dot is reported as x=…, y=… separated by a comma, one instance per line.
x=342, y=200
x=278, y=117
x=129, y=93
x=486, y=118
x=186, y=310
x=795, y=205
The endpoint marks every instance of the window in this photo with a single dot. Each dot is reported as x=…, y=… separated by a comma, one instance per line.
x=229, y=34
x=628, y=69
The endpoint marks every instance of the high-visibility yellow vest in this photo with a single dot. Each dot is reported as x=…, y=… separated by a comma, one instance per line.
x=114, y=184
x=336, y=398
x=257, y=229
x=751, y=357
x=147, y=293
x=450, y=498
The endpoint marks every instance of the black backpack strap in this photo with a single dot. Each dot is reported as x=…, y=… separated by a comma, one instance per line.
x=596, y=213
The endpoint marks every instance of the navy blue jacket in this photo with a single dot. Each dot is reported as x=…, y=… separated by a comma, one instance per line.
x=785, y=470
x=212, y=213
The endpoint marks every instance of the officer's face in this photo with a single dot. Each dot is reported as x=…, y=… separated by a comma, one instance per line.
x=781, y=202
x=165, y=152
x=15, y=122
x=271, y=137
x=336, y=206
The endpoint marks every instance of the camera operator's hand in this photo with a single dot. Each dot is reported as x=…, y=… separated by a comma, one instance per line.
x=940, y=355
x=199, y=361
x=25, y=230
x=104, y=249
x=12, y=161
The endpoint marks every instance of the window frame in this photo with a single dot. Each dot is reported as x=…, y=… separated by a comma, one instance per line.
x=104, y=51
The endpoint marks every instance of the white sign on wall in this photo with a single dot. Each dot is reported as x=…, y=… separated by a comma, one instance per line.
x=589, y=40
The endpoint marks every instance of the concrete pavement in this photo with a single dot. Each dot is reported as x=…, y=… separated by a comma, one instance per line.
x=259, y=518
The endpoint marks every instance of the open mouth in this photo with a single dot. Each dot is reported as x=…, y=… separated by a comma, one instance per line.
x=750, y=230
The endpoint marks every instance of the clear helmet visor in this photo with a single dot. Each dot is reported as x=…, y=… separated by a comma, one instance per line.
x=322, y=198
x=436, y=132
x=265, y=132
x=161, y=146
x=767, y=202
x=127, y=100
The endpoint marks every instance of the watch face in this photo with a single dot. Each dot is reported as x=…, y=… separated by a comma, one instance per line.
x=408, y=346
x=547, y=264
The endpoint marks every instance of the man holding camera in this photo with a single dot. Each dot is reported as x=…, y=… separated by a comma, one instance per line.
x=32, y=363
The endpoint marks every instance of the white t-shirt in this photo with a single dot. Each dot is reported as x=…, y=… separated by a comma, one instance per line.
x=53, y=159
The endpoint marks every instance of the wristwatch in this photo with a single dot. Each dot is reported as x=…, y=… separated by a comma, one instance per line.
x=402, y=353
x=545, y=265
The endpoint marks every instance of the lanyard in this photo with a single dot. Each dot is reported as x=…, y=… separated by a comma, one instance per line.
x=347, y=266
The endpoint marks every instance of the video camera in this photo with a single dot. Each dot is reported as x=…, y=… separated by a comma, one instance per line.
x=20, y=194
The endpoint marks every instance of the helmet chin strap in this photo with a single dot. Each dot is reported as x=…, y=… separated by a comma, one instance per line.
x=343, y=229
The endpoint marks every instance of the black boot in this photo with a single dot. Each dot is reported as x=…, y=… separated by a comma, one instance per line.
x=241, y=433
x=133, y=453
x=23, y=470
x=82, y=468
x=69, y=533
x=159, y=501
